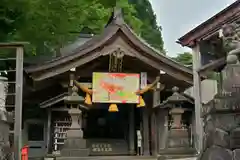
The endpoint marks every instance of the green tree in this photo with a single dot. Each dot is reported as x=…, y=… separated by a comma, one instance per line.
x=184, y=58
x=47, y=24
x=150, y=31
x=12, y=16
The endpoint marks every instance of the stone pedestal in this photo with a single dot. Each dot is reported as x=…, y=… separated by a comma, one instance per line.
x=221, y=119
x=5, y=150
x=178, y=136
x=75, y=146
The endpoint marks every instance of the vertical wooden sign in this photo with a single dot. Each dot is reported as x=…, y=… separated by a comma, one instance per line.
x=143, y=82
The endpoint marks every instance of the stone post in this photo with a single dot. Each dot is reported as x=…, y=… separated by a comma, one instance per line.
x=3, y=92
x=5, y=152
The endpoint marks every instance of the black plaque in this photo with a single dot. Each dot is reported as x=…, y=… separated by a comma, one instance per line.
x=108, y=147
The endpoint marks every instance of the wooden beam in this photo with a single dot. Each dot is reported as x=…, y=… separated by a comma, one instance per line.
x=168, y=69
x=49, y=120
x=52, y=101
x=65, y=67
x=212, y=66
x=13, y=44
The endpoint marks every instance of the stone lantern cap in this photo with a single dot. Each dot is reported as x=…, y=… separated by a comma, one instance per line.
x=74, y=98
x=177, y=111
x=3, y=78
x=176, y=97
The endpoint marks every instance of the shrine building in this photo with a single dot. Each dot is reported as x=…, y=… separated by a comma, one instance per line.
x=155, y=119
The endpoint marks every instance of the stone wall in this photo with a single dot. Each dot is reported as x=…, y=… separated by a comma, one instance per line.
x=221, y=119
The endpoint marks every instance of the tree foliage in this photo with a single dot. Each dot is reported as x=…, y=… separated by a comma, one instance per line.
x=151, y=32
x=47, y=24
x=184, y=58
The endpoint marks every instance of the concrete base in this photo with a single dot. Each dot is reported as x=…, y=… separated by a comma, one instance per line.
x=75, y=147
x=75, y=152
x=5, y=150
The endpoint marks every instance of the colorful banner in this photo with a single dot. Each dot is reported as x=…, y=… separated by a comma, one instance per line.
x=115, y=87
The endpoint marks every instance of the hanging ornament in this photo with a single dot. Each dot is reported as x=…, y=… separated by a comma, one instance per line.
x=88, y=99
x=141, y=102
x=144, y=90
x=113, y=108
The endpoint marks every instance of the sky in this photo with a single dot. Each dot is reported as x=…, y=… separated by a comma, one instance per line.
x=177, y=17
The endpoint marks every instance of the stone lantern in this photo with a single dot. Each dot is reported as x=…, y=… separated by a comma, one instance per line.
x=74, y=145
x=178, y=133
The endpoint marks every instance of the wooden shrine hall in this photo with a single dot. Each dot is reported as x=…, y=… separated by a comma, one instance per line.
x=161, y=121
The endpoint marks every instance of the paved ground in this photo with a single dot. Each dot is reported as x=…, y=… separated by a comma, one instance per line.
x=185, y=159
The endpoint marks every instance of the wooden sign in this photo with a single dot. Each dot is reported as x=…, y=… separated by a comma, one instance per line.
x=115, y=87
x=108, y=147
x=143, y=83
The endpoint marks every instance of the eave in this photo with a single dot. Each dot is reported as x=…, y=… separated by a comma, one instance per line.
x=212, y=25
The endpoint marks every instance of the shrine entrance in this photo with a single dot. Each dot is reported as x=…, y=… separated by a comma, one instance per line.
x=106, y=125
x=111, y=133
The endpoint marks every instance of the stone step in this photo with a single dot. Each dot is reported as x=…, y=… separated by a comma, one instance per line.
x=109, y=158
x=177, y=157
x=178, y=151
x=191, y=158
x=180, y=157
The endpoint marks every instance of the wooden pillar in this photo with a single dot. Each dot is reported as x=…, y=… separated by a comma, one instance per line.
x=154, y=120
x=18, y=104
x=131, y=137
x=162, y=119
x=145, y=116
x=49, y=119
x=154, y=133
x=197, y=97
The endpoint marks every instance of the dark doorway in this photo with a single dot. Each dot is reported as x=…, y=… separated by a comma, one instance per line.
x=102, y=124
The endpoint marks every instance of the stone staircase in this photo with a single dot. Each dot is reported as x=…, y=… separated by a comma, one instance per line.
x=118, y=158
x=111, y=158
